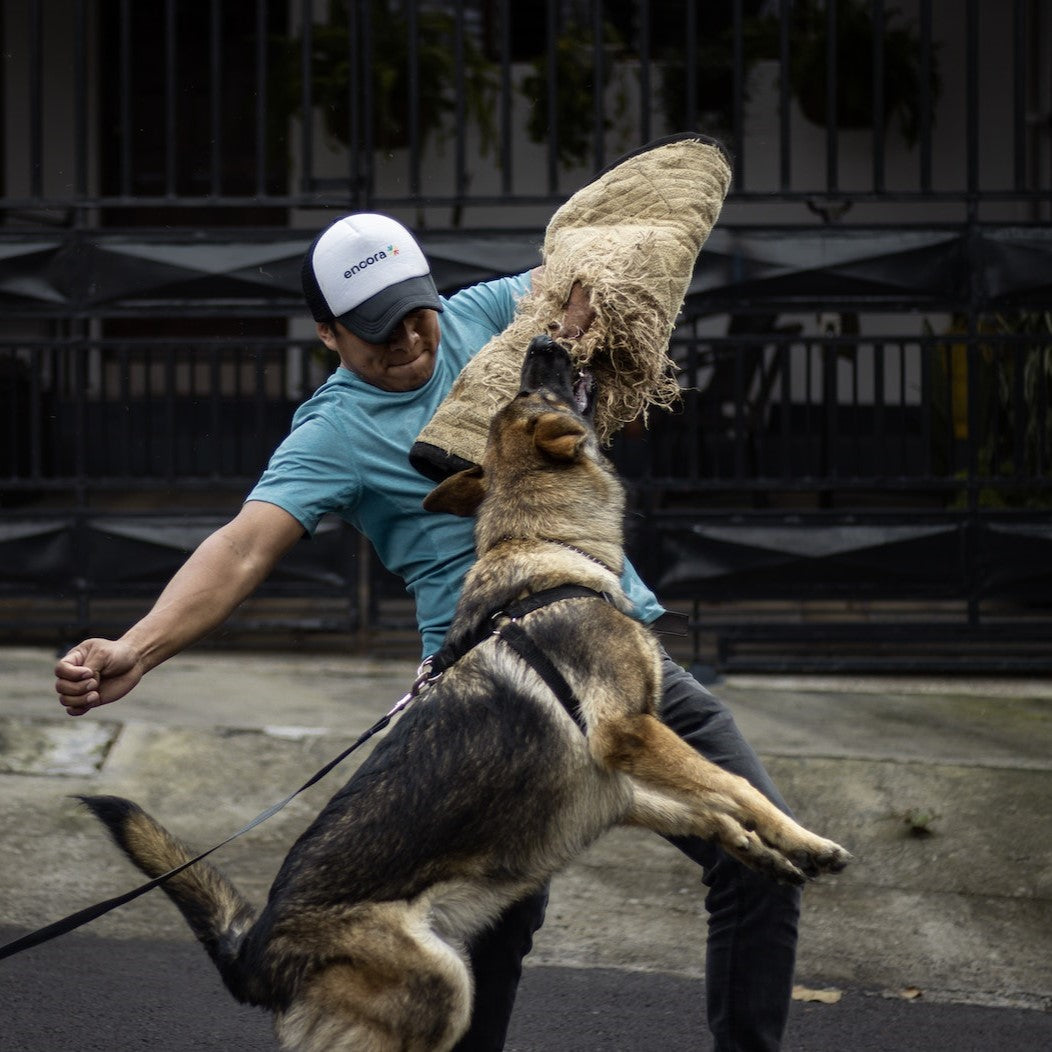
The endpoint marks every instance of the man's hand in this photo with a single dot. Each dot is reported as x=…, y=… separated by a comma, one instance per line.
x=579, y=315
x=95, y=673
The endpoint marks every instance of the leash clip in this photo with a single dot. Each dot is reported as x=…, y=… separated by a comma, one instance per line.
x=425, y=677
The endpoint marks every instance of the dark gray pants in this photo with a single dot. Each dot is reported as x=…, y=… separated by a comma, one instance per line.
x=751, y=946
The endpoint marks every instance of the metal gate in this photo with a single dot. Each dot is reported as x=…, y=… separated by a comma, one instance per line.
x=859, y=475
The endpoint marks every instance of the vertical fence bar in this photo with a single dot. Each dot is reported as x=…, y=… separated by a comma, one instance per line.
x=365, y=83
x=691, y=58
x=786, y=397
x=856, y=415
x=903, y=427
x=261, y=98
x=355, y=75
x=645, y=71
x=551, y=58
x=1042, y=428
x=830, y=353
x=170, y=470
x=80, y=78
x=413, y=29
x=215, y=396
x=1018, y=417
x=972, y=95
x=925, y=466
x=215, y=87
x=878, y=95
x=36, y=417
x=784, y=112
x=11, y=447
x=738, y=95
x=128, y=442
x=741, y=412
x=506, y=89
x=126, y=96
x=460, y=175
x=307, y=97
x=832, y=138
x=36, y=99
x=926, y=100
x=171, y=124
x=598, y=87
x=694, y=463
x=879, y=406
x=1019, y=92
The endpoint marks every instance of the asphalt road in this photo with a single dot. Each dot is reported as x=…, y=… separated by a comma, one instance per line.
x=940, y=788
x=93, y=994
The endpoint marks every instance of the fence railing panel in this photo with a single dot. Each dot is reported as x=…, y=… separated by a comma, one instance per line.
x=865, y=350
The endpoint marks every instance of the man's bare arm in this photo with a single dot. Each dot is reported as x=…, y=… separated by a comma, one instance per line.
x=224, y=570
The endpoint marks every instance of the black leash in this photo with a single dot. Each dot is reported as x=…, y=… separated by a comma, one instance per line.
x=512, y=633
x=76, y=920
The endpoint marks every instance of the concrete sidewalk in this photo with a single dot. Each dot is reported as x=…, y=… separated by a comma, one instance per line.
x=941, y=790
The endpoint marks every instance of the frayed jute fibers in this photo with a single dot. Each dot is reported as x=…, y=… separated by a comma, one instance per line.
x=630, y=238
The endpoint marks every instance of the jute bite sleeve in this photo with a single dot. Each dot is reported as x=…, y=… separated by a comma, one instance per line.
x=630, y=238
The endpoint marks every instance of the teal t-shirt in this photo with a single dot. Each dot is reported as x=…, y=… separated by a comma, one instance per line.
x=347, y=454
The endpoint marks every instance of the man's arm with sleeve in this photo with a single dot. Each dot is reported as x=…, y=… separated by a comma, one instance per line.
x=221, y=573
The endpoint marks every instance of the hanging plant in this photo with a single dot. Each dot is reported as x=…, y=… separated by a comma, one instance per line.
x=575, y=78
x=389, y=76
x=855, y=29
x=712, y=68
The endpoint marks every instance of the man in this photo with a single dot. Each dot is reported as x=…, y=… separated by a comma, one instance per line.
x=401, y=346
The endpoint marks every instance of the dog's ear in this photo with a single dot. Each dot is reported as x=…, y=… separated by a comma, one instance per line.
x=559, y=436
x=460, y=494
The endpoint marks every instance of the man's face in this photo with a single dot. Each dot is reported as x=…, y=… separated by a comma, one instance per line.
x=404, y=363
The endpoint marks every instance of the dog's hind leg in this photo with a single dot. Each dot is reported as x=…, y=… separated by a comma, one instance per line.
x=398, y=988
x=679, y=792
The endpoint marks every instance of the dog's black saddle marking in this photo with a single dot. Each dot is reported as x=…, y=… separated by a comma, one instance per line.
x=504, y=623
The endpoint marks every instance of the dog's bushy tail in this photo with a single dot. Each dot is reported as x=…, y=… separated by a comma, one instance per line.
x=212, y=906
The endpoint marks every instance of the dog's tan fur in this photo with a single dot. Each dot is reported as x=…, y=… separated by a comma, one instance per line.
x=486, y=787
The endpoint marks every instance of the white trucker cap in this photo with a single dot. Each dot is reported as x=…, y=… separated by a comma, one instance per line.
x=367, y=272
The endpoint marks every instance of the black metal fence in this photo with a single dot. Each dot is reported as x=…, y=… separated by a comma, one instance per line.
x=860, y=471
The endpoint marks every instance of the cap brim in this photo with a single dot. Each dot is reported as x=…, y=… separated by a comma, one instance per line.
x=374, y=319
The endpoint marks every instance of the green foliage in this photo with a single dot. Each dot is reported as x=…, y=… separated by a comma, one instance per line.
x=713, y=74
x=1008, y=380
x=902, y=69
x=575, y=81
x=389, y=75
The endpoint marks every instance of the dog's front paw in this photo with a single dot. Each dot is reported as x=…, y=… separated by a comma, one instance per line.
x=747, y=846
x=822, y=856
x=792, y=855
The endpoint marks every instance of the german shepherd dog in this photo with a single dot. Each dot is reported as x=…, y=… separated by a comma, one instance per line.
x=486, y=786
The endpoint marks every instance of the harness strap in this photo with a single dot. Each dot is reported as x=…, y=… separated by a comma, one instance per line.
x=519, y=640
x=448, y=654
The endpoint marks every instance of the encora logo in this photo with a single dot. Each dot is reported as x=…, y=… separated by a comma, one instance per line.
x=370, y=260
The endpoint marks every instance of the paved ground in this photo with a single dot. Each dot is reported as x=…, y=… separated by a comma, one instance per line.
x=938, y=937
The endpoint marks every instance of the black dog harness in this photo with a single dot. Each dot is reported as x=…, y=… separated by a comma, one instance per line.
x=508, y=630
